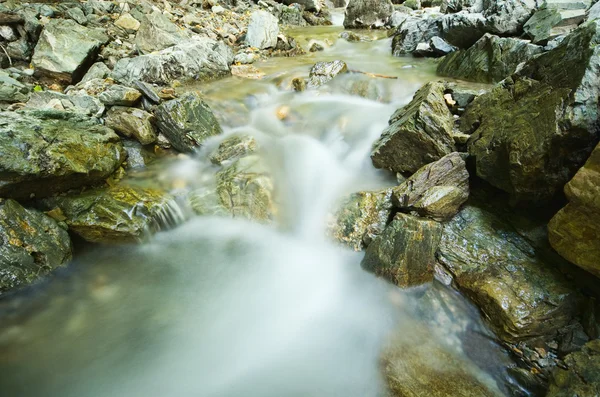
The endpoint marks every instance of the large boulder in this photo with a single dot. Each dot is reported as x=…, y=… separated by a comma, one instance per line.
x=574, y=231
x=451, y=6
x=156, y=32
x=44, y=154
x=489, y=60
x=437, y=190
x=200, y=58
x=534, y=130
x=262, y=30
x=367, y=14
x=418, y=134
x=506, y=17
x=361, y=217
x=404, y=253
x=80, y=104
x=119, y=214
x=539, y=27
x=413, y=31
x=66, y=49
x=521, y=295
x=31, y=245
x=463, y=29
x=187, y=122
x=581, y=374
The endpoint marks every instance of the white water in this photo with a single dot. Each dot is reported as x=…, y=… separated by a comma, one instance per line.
x=224, y=307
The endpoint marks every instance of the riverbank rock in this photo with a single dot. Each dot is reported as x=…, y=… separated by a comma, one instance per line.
x=437, y=190
x=65, y=50
x=489, y=60
x=11, y=90
x=463, y=29
x=581, y=377
x=323, y=72
x=118, y=214
x=534, y=130
x=361, y=217
x=507, y=17
x=47, y=153
x=156, y=32
x=79, y=104
x=31, y=245
x=367, y=14
x=521, y=295
x=574, y=232
x=404, y=253
x=262, y=30
x=187, y=122
x=132, y=122
x=200, y=58
x=539, y=27
x=414, y=31
x=418, y=134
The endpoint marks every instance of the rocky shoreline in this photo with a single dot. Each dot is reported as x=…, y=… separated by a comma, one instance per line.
x=498, y=192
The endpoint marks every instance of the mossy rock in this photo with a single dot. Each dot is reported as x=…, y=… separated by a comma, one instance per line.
x=46, y=152
x=581, y=377
x=31, y=245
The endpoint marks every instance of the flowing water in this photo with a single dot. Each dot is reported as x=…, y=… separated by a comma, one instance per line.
x=226, y=307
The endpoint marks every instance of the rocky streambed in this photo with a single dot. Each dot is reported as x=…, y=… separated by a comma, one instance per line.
x=238, y=198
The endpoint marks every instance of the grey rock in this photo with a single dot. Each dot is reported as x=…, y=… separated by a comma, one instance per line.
x=196, y=59
x=418, y=134
x=594, y=12
x=148, y=92
x=451, y=6
x=65, y=49
x=132, y=122
x=539, y=27
x=367, y=13
x=119, y=95
x=441, y=47
x=12, y=90
x=463, y=29
x=157, y=32
x=78, y=104
x=323, y=72
x=309, y=5
x=97, y=71
x=187, y=122
x=77, y=15
x=415, y=30
x=232, y=148
x=31, y=246
x=507, y=17
x=262, y=30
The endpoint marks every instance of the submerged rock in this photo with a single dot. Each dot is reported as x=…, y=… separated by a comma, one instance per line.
x=419, y=133
x=324, y=72
x=232, y=148
x=132, y=122
x=54, y=152
x=581, y=375
x=367, y=14
x=404, y=253
x=200, y=58
x=489, y=60
x=31, y=245
x=361, y=217
x=119, y=214
x=535, y=129
x=187, y=122
x=65, y=49
x=574, y=232
x=262, y=30
x=437, y=190
x=521, y=295
x=156, y=32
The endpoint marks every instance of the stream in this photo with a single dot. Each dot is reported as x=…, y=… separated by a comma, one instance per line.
x=226, y=307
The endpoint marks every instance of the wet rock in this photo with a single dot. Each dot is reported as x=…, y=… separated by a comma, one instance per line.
x=262, y=30
x=404, y=253
x=292, y=16
x=31, y=245
x=451, y=6
x=132, y=122
x=521, y=295
x=79, y=104
x=187, y=122
x=574, y=231
x=12, y=90
x=506, y=17
x=353, y=37
x=65, y=49
x=489, y=60
x=361, y=217
x=581, y=377
x=119, y=214
x=97, y=71
x=539, y=27
x=157, y=32
x=437, y=190
x=323, y=72
x=233, y=148
x=128, y=22
x=46, y=154
x=413, y=31
x=418, y=134
x=196, y=59
x=119, y=95
x=315, y=47
x=533, y=131
x=365, y=14
x=441, y=47
x=463, y=29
